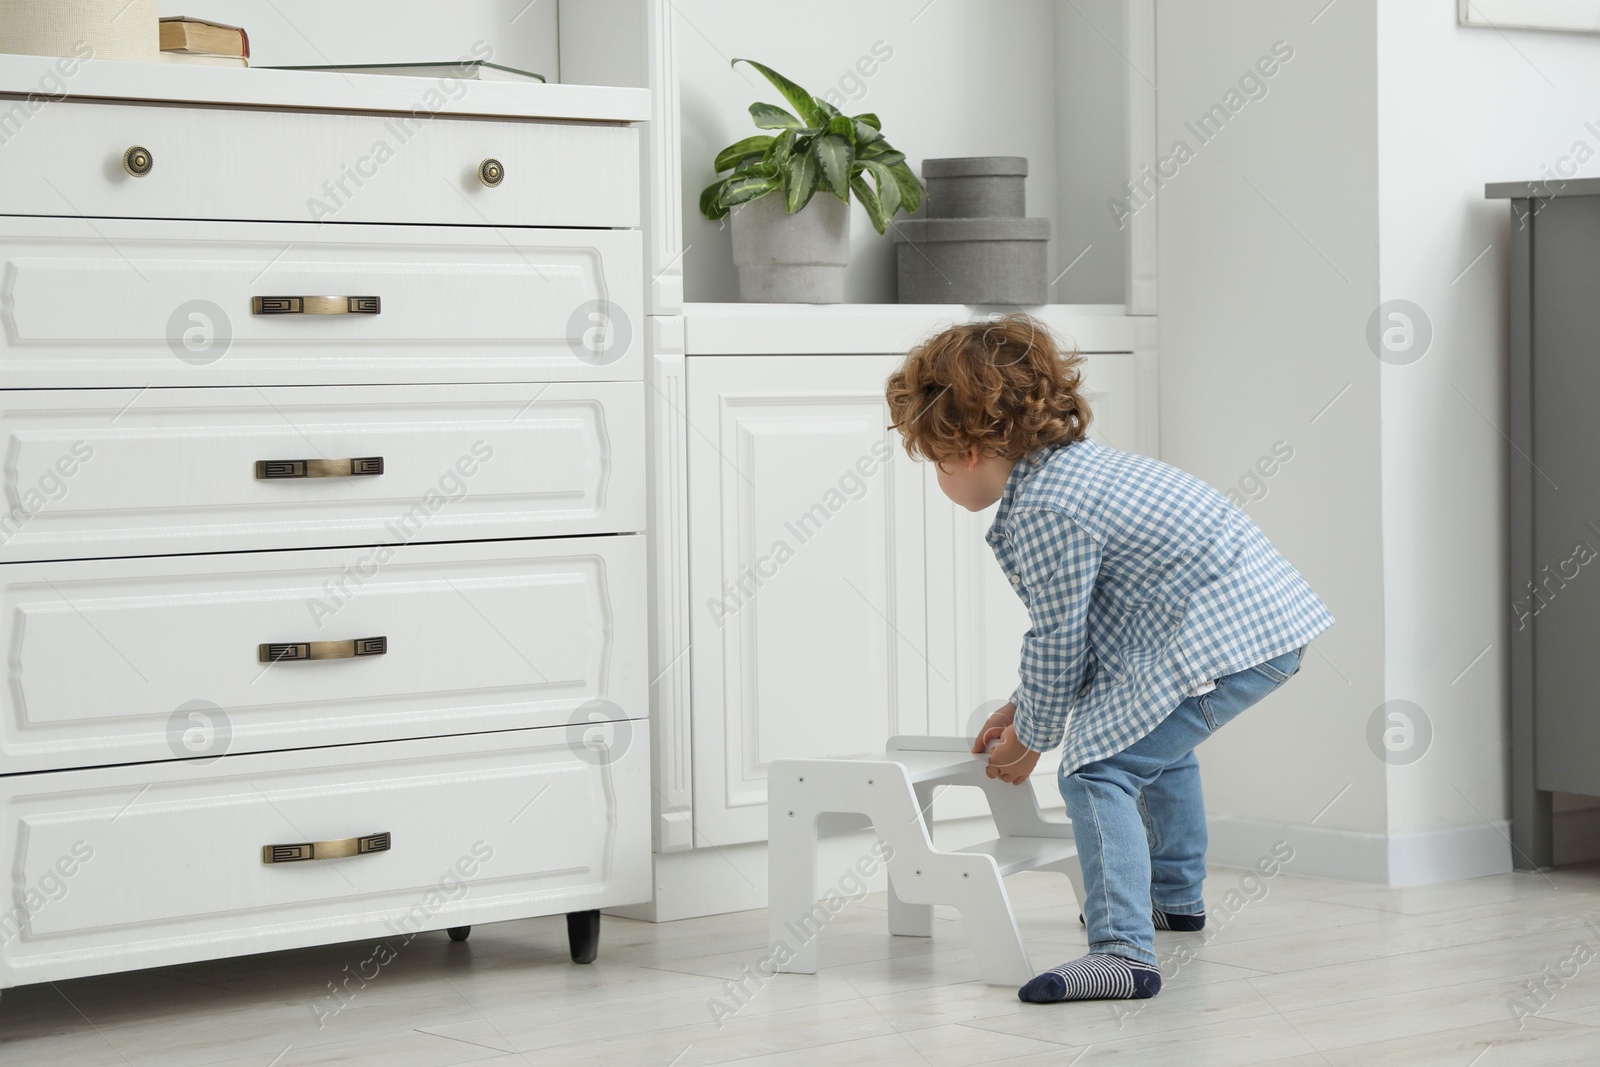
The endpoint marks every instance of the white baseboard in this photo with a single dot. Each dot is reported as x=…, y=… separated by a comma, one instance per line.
x=714, y=881
x=1402, y=859
x=1318, y=852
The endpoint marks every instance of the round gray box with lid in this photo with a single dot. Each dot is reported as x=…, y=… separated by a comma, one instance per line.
x=973, y=261
x=975, y=187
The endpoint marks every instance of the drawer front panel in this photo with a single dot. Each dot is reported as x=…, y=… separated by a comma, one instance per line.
x=122, y=472
x=163, y=863
x=161, y=658
x=216, y=163
x=131, y=303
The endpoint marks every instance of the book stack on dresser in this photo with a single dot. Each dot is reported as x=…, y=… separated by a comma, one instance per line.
x=322, y=565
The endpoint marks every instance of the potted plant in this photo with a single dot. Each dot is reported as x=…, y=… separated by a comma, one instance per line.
x=790, y=245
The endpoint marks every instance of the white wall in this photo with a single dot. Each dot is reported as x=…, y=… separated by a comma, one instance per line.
x=1359, y=179
x=1268, y=271
x=1457, y=108
x=964, y=79
x=308, y=32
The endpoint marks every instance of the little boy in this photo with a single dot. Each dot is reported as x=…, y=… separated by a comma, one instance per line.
x=1159, y=612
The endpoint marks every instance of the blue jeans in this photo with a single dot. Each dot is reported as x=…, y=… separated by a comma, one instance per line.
x=1140, y=821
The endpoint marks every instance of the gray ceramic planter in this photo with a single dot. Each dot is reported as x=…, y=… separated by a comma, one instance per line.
x=973, y=261
x=792, y=259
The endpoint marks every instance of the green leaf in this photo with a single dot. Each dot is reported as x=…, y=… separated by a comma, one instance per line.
x=757, y=168
x=880, y=151
x=744, y=190
x=828, y=111
x=839, y=126
x=711, y=205
x=804, y=103
x=783, y=148
x=869, y=200
x=910, y=187
x=801, y=176
x=865, y=133
x=773, y=117
x=836, y=157
x=888, y=188
x=870, y=119
x=740, y=151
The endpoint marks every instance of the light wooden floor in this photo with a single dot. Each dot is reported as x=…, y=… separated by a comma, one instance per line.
x=1313, y=972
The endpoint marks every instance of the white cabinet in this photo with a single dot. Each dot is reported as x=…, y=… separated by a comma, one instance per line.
x=807, y=606
x=829, y=608
x=322, y=565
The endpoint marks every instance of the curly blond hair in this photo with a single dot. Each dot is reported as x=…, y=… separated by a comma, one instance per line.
x=1002, y=386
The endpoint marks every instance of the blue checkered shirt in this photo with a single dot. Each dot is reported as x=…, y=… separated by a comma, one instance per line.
x=1143, y=584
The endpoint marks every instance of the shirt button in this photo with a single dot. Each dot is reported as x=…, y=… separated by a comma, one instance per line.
x=1016, y=579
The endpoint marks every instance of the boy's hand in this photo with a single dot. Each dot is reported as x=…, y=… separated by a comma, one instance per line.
x=1010, y=760
x=993, y=727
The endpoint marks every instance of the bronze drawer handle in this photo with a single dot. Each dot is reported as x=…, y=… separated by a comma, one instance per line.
x=316, y=305
x=491, y=172
x=293, y=651
x=365, y=466
x=325, y=850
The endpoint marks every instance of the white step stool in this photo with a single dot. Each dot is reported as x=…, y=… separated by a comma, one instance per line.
x=894, y=790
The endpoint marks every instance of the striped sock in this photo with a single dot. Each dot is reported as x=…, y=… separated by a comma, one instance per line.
x=1097, y=976
x=1164, y=921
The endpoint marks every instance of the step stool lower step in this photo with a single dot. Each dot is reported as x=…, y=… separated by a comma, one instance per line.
x=1014, y=854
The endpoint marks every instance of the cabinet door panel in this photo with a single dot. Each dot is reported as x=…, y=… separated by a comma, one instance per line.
x=1563, y=607
x=806, y=575
x=975, y=619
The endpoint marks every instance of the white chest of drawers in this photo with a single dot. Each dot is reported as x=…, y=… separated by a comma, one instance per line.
x=322, y=563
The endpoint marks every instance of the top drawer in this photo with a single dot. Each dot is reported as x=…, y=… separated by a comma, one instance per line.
x=218, y=163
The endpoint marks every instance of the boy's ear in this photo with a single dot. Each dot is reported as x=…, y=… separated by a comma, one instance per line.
x=972, y=458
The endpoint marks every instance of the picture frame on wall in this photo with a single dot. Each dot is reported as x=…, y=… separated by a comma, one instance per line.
x=1565, y=16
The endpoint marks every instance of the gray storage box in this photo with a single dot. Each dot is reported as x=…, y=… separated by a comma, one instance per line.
x=973, y=261
x=974, y=187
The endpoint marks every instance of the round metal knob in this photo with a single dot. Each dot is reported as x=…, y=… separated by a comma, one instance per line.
x=138, y=161
x=491, y=172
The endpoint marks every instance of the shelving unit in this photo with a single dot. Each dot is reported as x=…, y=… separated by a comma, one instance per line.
x=757, y=409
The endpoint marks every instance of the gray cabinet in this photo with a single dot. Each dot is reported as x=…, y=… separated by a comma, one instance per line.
x=1554, y=430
